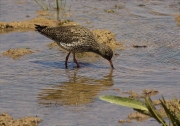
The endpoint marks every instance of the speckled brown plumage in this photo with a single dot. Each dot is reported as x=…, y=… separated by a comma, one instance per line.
x=76, y=39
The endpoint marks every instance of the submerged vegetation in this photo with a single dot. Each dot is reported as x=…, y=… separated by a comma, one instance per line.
x=147, y=107
x=58, y=4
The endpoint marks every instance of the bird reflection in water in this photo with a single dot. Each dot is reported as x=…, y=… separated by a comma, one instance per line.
x=78, y=90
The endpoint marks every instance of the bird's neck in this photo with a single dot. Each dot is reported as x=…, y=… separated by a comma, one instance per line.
x=99, y=49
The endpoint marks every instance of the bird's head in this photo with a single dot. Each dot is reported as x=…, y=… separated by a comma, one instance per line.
x=107, y=53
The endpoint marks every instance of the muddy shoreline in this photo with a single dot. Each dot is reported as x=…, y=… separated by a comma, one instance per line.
x=7, y=120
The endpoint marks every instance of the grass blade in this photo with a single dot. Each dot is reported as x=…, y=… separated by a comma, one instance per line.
x=39, y=4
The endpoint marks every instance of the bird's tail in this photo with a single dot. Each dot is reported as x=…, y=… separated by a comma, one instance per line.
x=39, y=28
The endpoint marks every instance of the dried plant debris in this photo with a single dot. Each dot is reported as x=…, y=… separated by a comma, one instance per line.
x=148, y=92
x=7, y=120
x=137, y=116
x=132, y=94
x=141, y=5
x=110, y=11
x=122, y=121
x=140, y=46
x=17, y=53
x=119, y=6
x=145, y=93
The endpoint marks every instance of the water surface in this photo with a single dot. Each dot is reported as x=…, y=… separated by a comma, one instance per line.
x=38, y=84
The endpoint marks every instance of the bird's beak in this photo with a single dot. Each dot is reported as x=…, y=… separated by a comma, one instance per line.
x=111, y=64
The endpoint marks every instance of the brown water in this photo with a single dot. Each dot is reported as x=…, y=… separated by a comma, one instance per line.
x=38, y=84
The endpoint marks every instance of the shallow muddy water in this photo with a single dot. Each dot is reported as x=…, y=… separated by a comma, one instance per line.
x=38, y=84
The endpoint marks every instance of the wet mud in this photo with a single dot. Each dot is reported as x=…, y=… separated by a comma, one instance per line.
x=27, y=25
x=7, y=120
x=17, y=53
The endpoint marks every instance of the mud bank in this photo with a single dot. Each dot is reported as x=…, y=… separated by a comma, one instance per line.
x=7, y=120
x=17, y=53
x=27, y=25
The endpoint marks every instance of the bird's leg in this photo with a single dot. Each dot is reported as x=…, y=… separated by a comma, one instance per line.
x=74, y=58
x=67, y=59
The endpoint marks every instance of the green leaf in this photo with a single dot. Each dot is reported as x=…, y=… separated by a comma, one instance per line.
x=124, y=101
x=143, y=112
